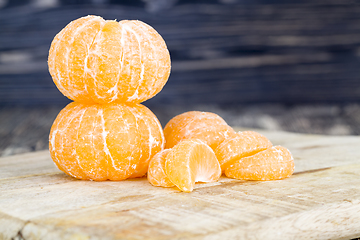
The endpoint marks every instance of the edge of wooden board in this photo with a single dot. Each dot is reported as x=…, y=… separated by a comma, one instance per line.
x=339, y=220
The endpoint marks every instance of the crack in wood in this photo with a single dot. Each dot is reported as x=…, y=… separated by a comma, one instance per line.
x=312, y=171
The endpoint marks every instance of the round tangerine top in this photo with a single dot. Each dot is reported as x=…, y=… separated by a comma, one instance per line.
x=96, y=61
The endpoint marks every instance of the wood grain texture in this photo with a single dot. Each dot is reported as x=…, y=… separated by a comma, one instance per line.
x=320, y=201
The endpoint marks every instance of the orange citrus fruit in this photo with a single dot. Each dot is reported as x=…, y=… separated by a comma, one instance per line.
x=191, y=161
x=240, y=145
x=156, y=172
x=271, y=164
x=100, y=142
x=206, y=126
x=96, y=61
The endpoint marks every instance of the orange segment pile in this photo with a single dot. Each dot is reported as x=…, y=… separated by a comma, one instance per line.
x=244, y=155
x=96, y=61
x=109, y=141
x=206, y=126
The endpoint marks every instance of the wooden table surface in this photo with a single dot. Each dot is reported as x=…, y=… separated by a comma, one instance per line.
x=320, y=201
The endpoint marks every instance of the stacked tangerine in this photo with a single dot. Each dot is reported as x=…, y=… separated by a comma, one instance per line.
x=108, y=68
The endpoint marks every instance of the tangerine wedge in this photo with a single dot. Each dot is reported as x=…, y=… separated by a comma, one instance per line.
x=100, y=142
x=191, y=161
x=96, y=61
x=206, y=126
x=271, y=164
x=156, y=172
x=240, y=145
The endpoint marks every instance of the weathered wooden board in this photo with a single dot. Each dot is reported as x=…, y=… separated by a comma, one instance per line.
x=320, y=201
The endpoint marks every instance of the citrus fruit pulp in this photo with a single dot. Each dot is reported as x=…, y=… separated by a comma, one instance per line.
x=240, y=145
x=96, y=61
x=191, y=161
x=271, y=164
x=100, y=142
x=206, y=126
x=156, y=172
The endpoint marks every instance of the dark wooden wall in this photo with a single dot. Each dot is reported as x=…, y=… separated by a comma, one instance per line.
x=225, y=51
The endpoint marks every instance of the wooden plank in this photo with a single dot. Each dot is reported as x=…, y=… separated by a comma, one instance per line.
x=321, y=200
x=26, y=165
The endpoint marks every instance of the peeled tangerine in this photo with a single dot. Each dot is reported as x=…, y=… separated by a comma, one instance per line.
x=100, y=142
x=96, y=61
x=206, y=126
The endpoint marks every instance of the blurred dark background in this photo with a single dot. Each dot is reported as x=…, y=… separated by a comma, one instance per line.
x=223, y=51
x=273, y=64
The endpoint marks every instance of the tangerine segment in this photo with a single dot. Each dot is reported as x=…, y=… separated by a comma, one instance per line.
x=101, y=142
x=62, y=144
x=68, y=54
x=206, y=126
x=152, y=140
x=240, y=145
x=96, y=61
x=191, y=161
x=271, y=164
x=156, y=173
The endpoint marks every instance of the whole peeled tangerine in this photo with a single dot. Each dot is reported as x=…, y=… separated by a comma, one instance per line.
x=100, y=142
x=96, y=61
